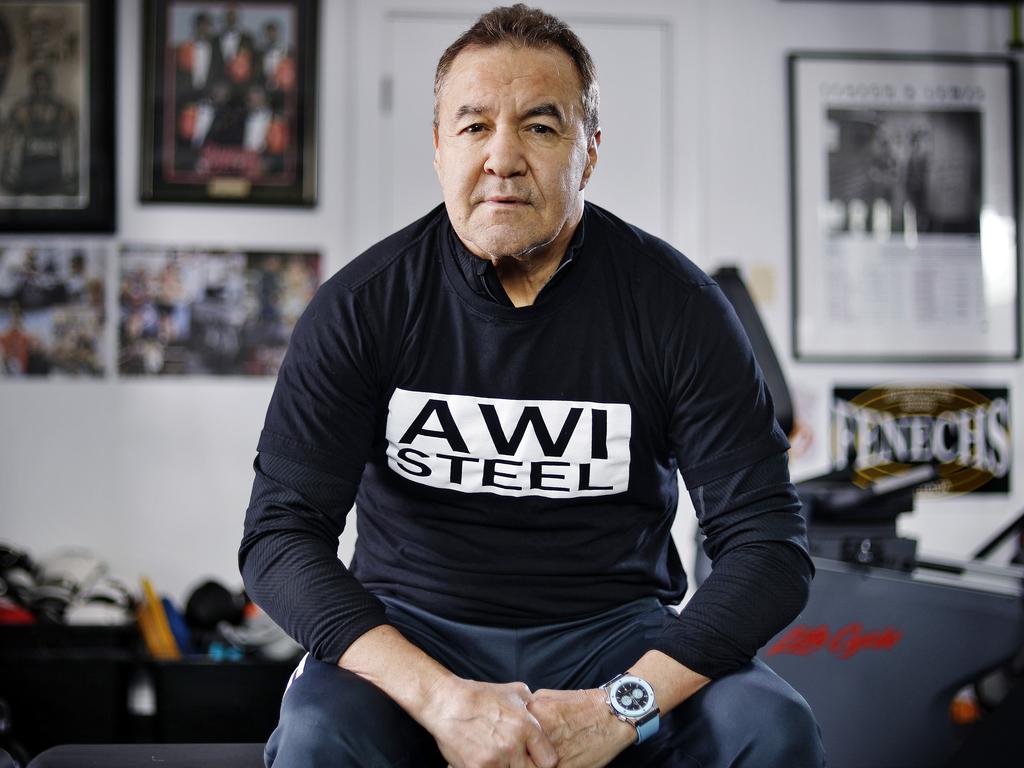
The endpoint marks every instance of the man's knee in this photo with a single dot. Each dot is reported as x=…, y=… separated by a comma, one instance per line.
x=760, y=720
x=786, y=732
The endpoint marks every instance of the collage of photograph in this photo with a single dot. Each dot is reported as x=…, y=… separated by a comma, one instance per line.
x=204, y=312
x=52, y=310
x=232, y=92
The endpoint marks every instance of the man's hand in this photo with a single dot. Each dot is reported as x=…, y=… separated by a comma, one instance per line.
x=484, y=725
x=584, y=731
x=476, y=725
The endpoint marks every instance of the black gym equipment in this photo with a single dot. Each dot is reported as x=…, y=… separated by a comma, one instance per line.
x=892, y=646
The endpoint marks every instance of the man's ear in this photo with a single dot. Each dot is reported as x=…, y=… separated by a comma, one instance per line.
x=437, y=158
x=592, y=145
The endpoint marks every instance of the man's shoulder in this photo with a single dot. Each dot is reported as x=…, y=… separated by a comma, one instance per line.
x=644, y=256
x=392, y=255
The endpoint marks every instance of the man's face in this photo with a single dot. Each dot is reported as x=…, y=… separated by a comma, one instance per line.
x=510, y=149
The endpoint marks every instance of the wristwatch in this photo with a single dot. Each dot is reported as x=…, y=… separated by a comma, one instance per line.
x=631, y=699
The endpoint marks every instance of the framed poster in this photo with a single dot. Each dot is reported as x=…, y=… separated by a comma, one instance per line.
x=229, y=102
x=190, y=311
x=57, y=116
x=904, y=222
x=52, y=309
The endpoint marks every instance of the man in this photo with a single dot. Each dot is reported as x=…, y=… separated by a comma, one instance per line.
x=236, y=48
x=507, y=389
x=199, y=60
x=276, y=64
x=40, y=152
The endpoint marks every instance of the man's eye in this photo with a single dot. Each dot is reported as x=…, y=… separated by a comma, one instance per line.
x=474, y=128
x=541, y=129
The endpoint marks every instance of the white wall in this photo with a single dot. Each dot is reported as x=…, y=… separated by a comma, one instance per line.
x=154, y=476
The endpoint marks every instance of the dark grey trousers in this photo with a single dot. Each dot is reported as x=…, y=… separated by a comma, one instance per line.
x=751, y=717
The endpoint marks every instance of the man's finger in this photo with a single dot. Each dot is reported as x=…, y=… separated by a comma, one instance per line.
x=522, y=690
x=541, y=750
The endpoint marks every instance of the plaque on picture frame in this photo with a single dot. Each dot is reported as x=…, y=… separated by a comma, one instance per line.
x=57, y=169
x=904, y=207
x=229, y=102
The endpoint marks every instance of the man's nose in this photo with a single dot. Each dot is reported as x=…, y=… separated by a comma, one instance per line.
x=505, y=157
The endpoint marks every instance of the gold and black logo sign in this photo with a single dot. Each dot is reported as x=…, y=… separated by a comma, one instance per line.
x=887, y=429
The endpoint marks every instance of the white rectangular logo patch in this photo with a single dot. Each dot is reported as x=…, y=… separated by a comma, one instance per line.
x=553, y=448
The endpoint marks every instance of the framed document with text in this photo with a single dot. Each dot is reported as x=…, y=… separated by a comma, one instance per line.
x=229, y=102
x=57, y=116
x=904, y=218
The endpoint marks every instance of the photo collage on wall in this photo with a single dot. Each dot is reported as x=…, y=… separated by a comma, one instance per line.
x=228, y=116
x=180, y=311
x=52, y=309
x=197, y=312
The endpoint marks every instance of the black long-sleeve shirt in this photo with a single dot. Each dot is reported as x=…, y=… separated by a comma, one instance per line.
x=517, y=466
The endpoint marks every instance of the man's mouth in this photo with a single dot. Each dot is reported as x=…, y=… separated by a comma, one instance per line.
x=505, y=201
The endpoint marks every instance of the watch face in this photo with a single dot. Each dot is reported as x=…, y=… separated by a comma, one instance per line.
x=632, y=697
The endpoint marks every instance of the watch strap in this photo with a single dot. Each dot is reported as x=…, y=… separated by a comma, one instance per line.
x=647, y=726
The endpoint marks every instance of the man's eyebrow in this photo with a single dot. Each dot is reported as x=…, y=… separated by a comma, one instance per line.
x=468, y=109
x=550, y=109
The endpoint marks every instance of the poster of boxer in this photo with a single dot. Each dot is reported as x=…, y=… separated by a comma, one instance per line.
x=189, y=312
x=904, y=220
x=230, y=102
x=52, y=313
x=56, y=116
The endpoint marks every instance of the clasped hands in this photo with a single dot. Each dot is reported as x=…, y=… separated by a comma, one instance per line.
x=487, y=725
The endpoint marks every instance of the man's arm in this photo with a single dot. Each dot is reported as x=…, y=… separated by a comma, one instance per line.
x=586, y=734
x=290, y=567
x=760, y=582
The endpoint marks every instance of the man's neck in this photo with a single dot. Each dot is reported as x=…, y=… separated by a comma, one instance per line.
x=523, y=280
x=523, y=277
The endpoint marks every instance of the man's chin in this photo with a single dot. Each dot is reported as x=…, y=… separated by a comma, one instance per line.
x=501, y=249
x=501, y=241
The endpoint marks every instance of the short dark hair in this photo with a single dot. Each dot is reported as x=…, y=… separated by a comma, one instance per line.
x=524, y=27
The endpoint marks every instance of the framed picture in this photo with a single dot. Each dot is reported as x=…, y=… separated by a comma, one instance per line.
x=52, y=309
x=192, y=311
x=229, y=102
x=57, y=90
x=904, y=224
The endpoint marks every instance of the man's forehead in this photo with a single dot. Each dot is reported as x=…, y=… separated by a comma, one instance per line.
x=480, y=76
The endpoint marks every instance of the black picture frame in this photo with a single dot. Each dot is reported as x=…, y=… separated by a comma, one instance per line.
x=229, y=110
x=904, y=207
x=57, y=117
